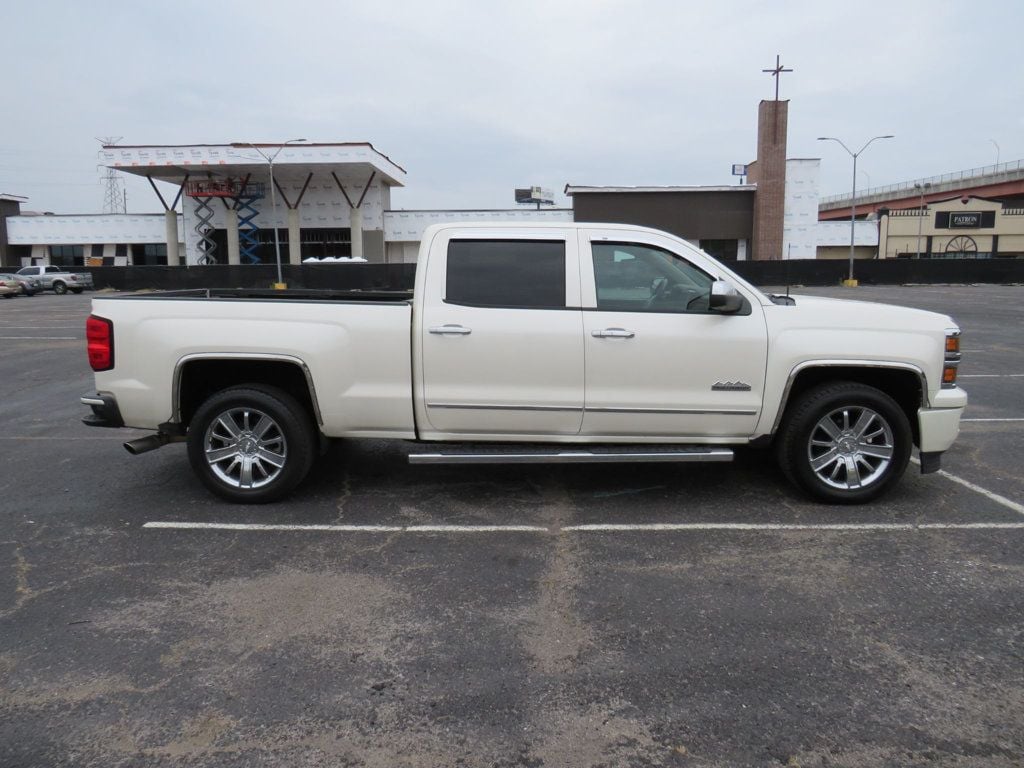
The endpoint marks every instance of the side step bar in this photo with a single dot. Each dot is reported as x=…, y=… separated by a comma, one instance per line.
x=565, y=455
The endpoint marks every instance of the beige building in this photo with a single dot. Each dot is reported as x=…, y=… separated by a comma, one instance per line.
x=834, y=239
x=958, y=228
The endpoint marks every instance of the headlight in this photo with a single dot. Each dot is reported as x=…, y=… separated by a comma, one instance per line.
x=951, y=362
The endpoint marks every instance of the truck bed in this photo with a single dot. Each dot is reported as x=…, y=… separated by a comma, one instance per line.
x=355, y=346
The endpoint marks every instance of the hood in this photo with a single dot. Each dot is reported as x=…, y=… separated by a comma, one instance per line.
x=846, y=313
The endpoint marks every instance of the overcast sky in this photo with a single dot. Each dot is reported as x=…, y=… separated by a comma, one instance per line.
x=476, y=98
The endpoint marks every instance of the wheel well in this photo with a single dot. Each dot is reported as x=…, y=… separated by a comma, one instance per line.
x=901, y=385
x=199, y=379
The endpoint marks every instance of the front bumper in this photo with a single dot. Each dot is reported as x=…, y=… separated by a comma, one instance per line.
x=105, y=412
x=940, y=424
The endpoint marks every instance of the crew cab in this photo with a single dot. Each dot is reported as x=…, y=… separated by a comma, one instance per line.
x=532, y=343
x=57, y=279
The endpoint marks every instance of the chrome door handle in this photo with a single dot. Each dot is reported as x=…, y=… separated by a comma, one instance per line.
x=613, y=333
x=451, y=330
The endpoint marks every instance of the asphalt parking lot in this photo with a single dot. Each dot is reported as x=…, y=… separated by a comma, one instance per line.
x=390, y=615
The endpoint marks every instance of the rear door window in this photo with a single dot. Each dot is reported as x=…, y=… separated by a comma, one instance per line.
x=522, y=274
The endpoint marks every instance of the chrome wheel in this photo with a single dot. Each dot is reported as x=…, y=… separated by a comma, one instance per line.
x=851, y=447
x=245, y=448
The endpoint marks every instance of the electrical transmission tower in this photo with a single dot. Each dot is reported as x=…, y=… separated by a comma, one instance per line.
x=113, y=195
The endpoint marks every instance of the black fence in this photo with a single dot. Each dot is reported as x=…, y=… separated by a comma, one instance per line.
x=881, y=271
x=369, y=277
x=364, y=277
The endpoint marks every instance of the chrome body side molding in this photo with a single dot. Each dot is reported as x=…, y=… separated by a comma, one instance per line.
x=673, y=411
x=678, y=411
x=499, y=407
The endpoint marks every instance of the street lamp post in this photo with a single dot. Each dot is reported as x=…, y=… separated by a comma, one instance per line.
x=853, y=194
x=996, y=145
x=920, y=213
x=273, y=201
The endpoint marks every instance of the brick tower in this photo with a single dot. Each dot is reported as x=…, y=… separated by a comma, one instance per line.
x=769, y=173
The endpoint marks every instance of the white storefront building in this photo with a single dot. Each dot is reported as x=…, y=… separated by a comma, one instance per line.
x=322, y=202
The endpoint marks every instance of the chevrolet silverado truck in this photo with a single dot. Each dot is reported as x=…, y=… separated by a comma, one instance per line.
x=532, y=343
x=57, y=279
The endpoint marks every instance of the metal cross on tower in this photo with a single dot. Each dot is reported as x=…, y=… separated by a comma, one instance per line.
x=776, y=73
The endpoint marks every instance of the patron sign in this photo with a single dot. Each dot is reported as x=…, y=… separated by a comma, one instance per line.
x=965, y=219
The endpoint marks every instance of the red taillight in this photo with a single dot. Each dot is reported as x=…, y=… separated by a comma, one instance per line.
x=99, y=333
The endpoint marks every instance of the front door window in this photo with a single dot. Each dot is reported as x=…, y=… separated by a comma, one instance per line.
x=641, y=278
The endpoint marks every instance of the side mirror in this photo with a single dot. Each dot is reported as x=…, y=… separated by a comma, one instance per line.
x=724, y=298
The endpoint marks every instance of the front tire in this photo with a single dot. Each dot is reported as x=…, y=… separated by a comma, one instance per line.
x=251, y=444
x=845, y=443
x=60, y=288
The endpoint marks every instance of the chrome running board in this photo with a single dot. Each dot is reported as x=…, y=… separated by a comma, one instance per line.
x=519, y=454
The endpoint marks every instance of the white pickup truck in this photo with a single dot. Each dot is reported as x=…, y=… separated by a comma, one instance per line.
x=532, y=343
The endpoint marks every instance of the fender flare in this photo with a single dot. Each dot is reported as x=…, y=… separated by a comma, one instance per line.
x=179, y=367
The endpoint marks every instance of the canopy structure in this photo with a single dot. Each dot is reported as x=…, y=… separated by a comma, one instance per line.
x=335, y=187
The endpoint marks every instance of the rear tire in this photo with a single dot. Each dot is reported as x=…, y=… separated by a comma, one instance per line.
x=60, y=288
x=844, y=443
x=251, y=444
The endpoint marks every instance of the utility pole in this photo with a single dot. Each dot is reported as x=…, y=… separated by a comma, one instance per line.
x=921, y=211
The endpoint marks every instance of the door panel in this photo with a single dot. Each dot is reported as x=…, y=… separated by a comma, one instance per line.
x=503, y=370
x=516, y=372
x=669, y=367
x=661, y=379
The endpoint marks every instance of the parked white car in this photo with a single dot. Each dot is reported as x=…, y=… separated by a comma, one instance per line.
x=533, y=343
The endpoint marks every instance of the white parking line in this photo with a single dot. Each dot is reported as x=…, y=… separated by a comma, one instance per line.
x=1013, y=419
x=997, y=498
x=352, y=528
x=792, y=526
x=108, y=438
x=591, y=527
